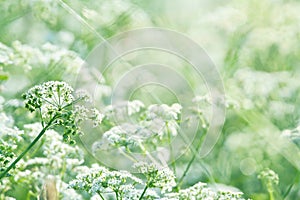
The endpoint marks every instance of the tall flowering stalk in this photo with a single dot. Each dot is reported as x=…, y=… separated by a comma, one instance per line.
x=54, y=101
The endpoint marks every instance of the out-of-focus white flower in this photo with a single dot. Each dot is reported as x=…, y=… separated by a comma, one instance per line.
x=98, y=179
x=157, y=177
x=269, y=176
x=5, y=53
x=164, y=111
x=96, y=116
x=32, y=130
x=126, y=135
x=134, y=106
x=66, y=192
x=226, y=18
x=202, y=191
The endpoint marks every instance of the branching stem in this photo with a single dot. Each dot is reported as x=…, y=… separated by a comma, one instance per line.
x=13, y=164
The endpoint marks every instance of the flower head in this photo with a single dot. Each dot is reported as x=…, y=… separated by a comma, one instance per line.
x=58, y=107
x=157, y=177
x=269, y=176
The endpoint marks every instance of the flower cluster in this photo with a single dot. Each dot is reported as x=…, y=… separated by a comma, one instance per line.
x=100, y=180
x=124, y=109
x=56, y=153
x=164, y=111
x=148, y=125
x=269, y=176
x=157, y=177
x=46, y=11
x=51, y=97
x=292, y=134
x=10, y=137
x=54, y=100
x=54, y=59
x=126, y=135
x=202, y=191
x=162, y=119
x=270, y=179
x=134, y=106
x=53, y=156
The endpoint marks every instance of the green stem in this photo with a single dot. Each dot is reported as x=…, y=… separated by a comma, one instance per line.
x=143, y=193
x=63, y=171
x=101, y=196
x=271, y=195
x=127, y=155
x=190, y=162
x=148, y=154
x=117, y=195
x=41, y=116
x=171, y=150
x=13, y=164
x=270, y=189
x=296, y=179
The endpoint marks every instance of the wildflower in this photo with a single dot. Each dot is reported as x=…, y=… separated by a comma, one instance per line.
x=164, y=111
x=96, y=116
x=269, y=176
x=53, y=99
x=162, y=119
x=157, y=177
x=126, y=135
x=98, y=179
x=134, y=106
x=202, y=191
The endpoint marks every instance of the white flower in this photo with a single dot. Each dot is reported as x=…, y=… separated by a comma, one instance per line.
x=226, y=18
x=98, y=179
x=96, y=116
x=50, y=97
x=269, y=176
x=134, y=106
x=164, y=111
x=157, y=176
x=5, y=54
x=126, y=134
x=202, y=191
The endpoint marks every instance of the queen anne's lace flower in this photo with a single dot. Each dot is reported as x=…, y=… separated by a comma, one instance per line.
x=157, y=177
x=164, y=111
x=202, y=191
x=99, y=179
x=54, y=100
x=269, y=176
x=134, y=107
x=126, y=135
x=51, y=97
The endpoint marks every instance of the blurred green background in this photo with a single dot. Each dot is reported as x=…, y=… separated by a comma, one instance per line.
x=254, y=44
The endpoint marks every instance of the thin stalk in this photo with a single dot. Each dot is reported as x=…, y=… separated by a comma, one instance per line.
x=271, y=195
x=127, y=155
x=13, y=164
x=63, y=171
x=148, y=154
x=173, y=163
x=117, y=195
x=190, y=162
x=41, y=116
x=58, y=92
x=296, y=179
x=72, y=103
x=100, y=195
x=143, y=193
x=29, y=195
x=49, y=102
